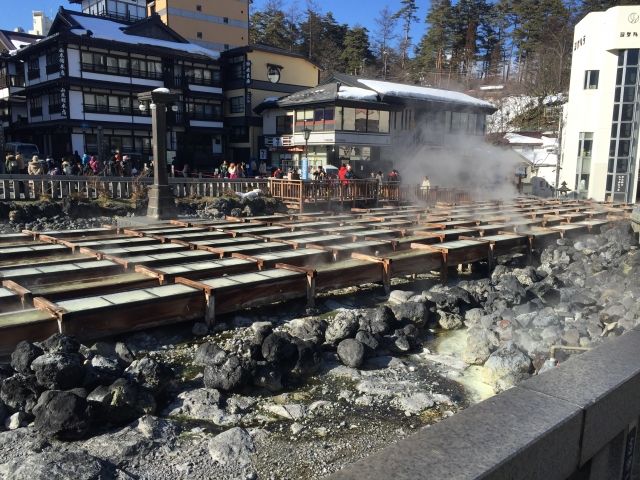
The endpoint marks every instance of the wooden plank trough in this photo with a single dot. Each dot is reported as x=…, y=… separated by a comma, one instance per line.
x=100, y=282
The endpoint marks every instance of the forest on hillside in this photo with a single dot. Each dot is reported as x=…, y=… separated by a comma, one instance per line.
x=525, y=45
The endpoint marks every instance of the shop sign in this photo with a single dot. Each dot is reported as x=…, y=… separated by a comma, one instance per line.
x=620, y=184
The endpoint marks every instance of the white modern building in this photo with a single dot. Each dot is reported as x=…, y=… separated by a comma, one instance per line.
x=600, y=137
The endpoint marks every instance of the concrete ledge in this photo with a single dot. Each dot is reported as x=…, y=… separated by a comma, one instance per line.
x=546, y=428
x=605, y=383
x=501, y=438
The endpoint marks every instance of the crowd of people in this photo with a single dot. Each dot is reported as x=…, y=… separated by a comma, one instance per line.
x=116, y=166
x=119, y=165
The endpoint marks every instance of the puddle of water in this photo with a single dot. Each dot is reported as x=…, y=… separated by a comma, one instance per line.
x=448, y=348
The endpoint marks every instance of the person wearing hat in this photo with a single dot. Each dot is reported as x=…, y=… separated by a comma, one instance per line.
x=34, y=167
x=21, y=166
x=11, y=165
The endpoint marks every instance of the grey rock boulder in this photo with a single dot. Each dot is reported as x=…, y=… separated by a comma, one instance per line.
x=23, y=355
x=449, y=320
x=507, y=366
x=281, y=349
x=343, y=325
x=59, y=371
x=209, y=354
x=233, y=447
x=149, y=374
x=231, y=375
x=411, y=312
x=351, y=352
x=60, y=465
x=62, y=415
x=378, y=321
x=20, y=392
x=61, y=343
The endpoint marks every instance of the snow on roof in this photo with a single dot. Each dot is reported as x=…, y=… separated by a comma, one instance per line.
x=161, y=90
x=422, y=93
x=109, y=30
x=271, y=99
x=522, y=139
x=356, y=93
x=18, y=44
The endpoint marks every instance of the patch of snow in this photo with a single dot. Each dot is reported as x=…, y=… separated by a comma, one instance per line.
x=110, y=30
x=356, y=93
x=271, y=99
x=522, y=139
x=161, y=90
x=422, y=93
x=18, y=44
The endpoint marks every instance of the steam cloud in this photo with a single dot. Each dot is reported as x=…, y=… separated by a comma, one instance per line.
x=466, y=162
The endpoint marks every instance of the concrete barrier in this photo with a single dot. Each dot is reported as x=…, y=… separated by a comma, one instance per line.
x=578, y=421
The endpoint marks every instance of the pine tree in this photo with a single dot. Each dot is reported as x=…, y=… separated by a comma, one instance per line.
x=407, y=16
x=434, y=49
x=271, y=26
x=384, y=36
x=356, y=52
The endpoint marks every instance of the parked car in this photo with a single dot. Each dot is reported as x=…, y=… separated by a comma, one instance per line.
x=28, y=150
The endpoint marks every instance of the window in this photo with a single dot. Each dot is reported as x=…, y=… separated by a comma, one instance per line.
x=239, y=134
x=204, y=111
x=236, y=104
x=591, y=79
x=198, y=8
x=107, y=103
x=53, y=62
x=284, y=125
x=201, y=75
x=35, y=106
x=225, y=20
x=583, y=167
x=226, y=46
x=236, y=68
x=199, y=35
x=55, y=103
x=358, y=120
x=33, y=68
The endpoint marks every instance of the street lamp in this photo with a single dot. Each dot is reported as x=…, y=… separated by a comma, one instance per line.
x=304, y=167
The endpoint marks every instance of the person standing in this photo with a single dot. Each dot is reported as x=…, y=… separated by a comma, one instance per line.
x=262, y=169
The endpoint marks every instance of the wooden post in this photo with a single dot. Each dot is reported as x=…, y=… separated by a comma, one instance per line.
x=311, y=289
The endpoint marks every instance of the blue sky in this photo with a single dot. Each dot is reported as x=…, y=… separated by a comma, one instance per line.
x=18, y=12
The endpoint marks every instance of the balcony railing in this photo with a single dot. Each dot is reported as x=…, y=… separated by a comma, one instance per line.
x=33, y=74
x=16, y=81
x=207, y=82
x=110, y=109
x=35, y=111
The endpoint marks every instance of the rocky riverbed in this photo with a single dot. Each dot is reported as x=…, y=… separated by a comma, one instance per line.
x=284, y=392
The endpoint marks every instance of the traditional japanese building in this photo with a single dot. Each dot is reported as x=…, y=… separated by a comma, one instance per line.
x=364, y=122
x=81, y=84
x=600, y=154
x=13, y=104
x=251, y=75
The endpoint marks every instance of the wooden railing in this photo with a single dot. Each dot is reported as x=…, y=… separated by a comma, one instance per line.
x=295, y=193
x=32, y=187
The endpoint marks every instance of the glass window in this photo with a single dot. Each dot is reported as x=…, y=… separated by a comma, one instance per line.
x=632, y=56
x=361, y=120
x=338, y=118
x=629, y=94
x=373, y=121
x=625, y=129
x=591, y=79
x=627, y=112
x=384, y=122
x=349, y=119
x=236, y=104
x=630, y=76
x=623, y=148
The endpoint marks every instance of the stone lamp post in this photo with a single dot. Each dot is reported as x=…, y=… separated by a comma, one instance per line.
x=161, y=201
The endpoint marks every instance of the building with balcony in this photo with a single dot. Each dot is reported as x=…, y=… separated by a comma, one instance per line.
x=365, y=122
x=13, y=105
x=219, y=25
x=600, y=154
x=252, y=75
x=81, y=84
